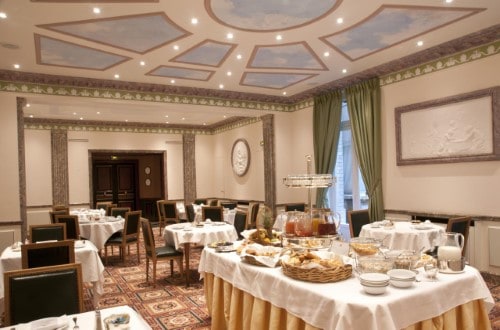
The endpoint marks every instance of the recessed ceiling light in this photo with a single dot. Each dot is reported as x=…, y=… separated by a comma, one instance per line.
x=194, y=21
x=326, y=54
x=344, y=70
x=167, y=122
x=172, y=81
x=142, y=63
x=98, y=112
x=81, y=118
x=176, y=47
x=449, y=1
x=229, y=73
x=96, y=10
x=166, y=116
x=229, y=35
x=284, y=93
x=183, y=118
x=279, y=37
x=74, y=113
x=126, y=120
x=3, y=15
x=204, y=124
x=221, y=86
x=16, y=66
x=117, y=76
x=31, y=116
x=340, y=20
x=420, y=43
x=224, y=116
x=239, y=56
x=28, y=105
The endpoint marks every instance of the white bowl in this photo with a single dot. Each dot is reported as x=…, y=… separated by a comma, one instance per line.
x=401, y=274
x=374, y=278
x=401, y=283
x=374, y=289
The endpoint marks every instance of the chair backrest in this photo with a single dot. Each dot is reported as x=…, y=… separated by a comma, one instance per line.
x=254, y=210
x=356, y=220
x=47, y=254
x=460, y=225
x=149, y=239
x=48, y=232
x=108, y=209
x=190, y=212
x=170, y=212
x=214, y=213
x=53, y=214
x=60, y=208
x=228, y=205
x=72, y=225
x=159, y=208
x=131, y=225
x=301, y=207
x=102, y=205
x=119, y=211
x=200, y=201
x=240, y=222
x=36, y=293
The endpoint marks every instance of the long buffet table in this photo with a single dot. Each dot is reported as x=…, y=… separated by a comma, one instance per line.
x=245, y=296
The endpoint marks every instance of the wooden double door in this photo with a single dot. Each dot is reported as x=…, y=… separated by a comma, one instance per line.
x=116, y=182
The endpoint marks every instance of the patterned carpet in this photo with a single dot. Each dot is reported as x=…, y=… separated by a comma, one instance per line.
x=172, y=305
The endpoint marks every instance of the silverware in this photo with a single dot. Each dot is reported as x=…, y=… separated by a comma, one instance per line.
x=76, y=325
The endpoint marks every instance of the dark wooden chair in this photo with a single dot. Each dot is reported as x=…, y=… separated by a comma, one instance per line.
x=154, y=253
x=214, y=213
x=460, y=225
x=190, y=212
x=36, y=293
x=108, y=209
x=300, y=207
x=254, y=210
x=240, y=223
x=199, y=201
x=228, y=205
x=102, y=205
x=356, y=220
x=47, y=254
x=48, y=232
x=72, y=225
x=170, y=214
x=129, y=235
x=60, y=208
x=52, y=215
x=119, y=211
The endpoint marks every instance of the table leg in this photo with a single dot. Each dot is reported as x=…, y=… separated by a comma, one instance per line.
x=187, y=247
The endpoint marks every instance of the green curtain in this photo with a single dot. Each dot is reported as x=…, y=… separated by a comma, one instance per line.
x=326, y=130
x=363, y=102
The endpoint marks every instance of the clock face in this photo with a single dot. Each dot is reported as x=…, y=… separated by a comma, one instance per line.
x=240, y=157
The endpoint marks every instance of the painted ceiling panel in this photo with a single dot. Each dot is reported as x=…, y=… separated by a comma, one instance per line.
x=392, y=25
x=57, y=52
x=173, y=72
x=269, y=15
x=139, y=34
x=209, y=53
x=273, y=80
x=294, y=56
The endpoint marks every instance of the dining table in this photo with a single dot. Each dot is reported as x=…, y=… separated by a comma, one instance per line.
x=86, y=253
x=183, y=235
x=98, y=230
x=404, y=235
x=87, y=320
x=242, y=295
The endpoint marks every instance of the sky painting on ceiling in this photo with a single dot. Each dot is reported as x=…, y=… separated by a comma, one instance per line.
x=273, y=80
x=269, y=15
x=209, y=53
x=292, y=56
x=389, y=26
x=173, y=72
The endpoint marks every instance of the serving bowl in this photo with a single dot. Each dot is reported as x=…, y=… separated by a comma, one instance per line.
x=401, y=278
x=363, y=246
x=373, y=264
x=374, y=283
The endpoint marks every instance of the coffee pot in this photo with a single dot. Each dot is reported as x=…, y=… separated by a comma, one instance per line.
x=451, y=246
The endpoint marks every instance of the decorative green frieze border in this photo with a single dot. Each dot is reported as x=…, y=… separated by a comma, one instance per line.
x=443, y=63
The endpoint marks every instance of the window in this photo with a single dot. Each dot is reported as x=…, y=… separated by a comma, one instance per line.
x=349, y=192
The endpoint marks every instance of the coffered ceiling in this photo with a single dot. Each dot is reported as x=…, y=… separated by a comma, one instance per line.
x=273, y=50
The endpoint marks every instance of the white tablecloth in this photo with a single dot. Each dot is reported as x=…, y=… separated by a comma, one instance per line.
x=344, y=305
x=87, y=320
x=405, y=236
x=98, y=232
x=88, y=214
x=178, y=234
x=86, y=254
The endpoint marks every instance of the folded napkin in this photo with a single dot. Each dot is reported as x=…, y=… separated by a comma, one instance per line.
x=50, y=323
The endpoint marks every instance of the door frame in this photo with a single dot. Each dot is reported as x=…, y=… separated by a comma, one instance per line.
x=93, y=153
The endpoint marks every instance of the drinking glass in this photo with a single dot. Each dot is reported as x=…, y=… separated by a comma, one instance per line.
x=431, y=270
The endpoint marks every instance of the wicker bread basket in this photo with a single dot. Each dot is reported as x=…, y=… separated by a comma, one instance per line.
x=249, y=259
x=319, y=275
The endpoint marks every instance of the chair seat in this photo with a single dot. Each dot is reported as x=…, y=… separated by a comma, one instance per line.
x=118, y=240
x=167, y=251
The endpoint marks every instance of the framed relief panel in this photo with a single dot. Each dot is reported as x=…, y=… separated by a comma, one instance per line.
x=240, y=157
x=460, y=128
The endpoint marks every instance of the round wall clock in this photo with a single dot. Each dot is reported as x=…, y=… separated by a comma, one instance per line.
x=240, y=157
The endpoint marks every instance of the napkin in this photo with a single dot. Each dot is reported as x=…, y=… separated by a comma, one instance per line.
x=50, y=323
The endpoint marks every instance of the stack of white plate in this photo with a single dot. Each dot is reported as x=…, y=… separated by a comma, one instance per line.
x=401, y=278
x=374, y=283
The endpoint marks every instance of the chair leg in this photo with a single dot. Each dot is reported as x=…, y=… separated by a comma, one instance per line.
x=138, y=253
x=147, y=269
x=154, y=273
x=172, y=267
x=105, y=255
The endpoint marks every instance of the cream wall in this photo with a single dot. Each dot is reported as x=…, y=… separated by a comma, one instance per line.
x=9, y=166
x=38, y=167
x=458, y=188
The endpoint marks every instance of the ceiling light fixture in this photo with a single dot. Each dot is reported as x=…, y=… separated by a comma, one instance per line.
x=176, y=47
x=279, y=37
x=221, y=86
x=344, y=70
x=229, y=73
x=74, y=113
x=420, y=43
x=340, y=20
x=194, y=21
x=126, y=120
x=28, y=105
x=3, y=15
x=229, y=35
x=96, y=10
x=326, y=54
x=239, y=56
x=284, y=93
x=167, y=122
x=31, y=116
x=16, y=66
x=117, y=76
x=183, y=118
x=449, y=1
x=166, y=116
x=142, y=63
x=172, y=81
x=98, y=112
x=81, y=118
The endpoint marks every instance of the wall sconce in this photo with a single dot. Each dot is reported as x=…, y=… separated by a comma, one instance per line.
x=261, y=143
